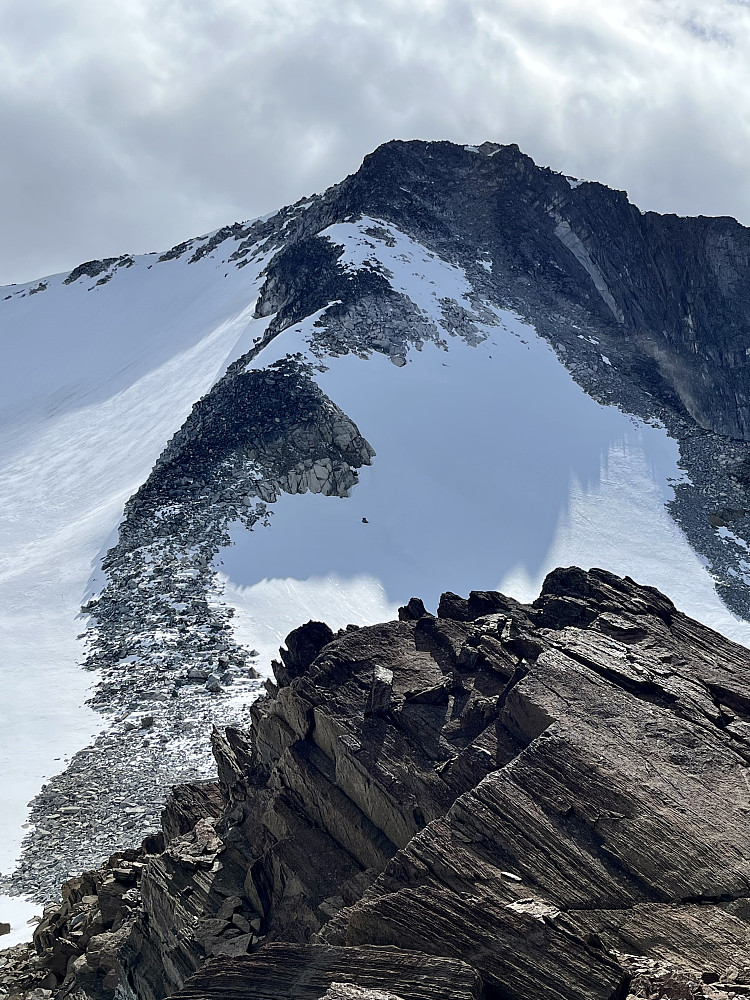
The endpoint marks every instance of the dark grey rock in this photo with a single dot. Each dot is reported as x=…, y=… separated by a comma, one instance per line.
x=562, y=814
x=310, y=972
x=413, y=610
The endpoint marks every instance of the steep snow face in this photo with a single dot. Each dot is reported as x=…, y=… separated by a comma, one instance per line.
x=94, y=380
x=74, y=345
x=492, y=467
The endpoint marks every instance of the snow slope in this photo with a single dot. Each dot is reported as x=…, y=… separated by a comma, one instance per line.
x=492, y=467
x=93, y=382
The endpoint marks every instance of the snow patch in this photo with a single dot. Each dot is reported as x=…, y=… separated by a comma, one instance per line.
x=729, y=536
x=491, y=468
x=411, y=269
x=268, y=610
x=19, y=913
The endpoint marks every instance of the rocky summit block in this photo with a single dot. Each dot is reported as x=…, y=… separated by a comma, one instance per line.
x=522, y=802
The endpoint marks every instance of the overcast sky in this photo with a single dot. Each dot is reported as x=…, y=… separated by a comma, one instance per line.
x=129, y=125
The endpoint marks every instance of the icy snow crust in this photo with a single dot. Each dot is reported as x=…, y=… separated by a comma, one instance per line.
x=492, y=466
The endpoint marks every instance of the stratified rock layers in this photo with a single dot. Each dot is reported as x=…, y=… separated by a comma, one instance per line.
x=510, y=801
x=306, y=972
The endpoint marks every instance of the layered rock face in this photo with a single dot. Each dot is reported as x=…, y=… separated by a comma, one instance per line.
x=647, y=312
x=509, y=801
x=315, y=971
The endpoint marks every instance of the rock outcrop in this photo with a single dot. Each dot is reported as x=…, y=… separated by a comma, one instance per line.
x=542, y=801
x=258, y=433
x=159, y=626
x=309, y=972
x=650, y=313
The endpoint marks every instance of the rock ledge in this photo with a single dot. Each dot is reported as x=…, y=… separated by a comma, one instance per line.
x=502, y=800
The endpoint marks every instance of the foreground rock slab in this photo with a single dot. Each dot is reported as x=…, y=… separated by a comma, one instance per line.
x=309, y=972
x=550, y=800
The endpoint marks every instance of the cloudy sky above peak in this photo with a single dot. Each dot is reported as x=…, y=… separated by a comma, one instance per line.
x=133, y=124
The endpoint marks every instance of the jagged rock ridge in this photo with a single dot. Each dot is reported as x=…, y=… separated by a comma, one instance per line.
x=258, y=433
x=663, y=299
x=554, y=797
x=659, y=297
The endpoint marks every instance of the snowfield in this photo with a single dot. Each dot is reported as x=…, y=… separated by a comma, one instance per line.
x=93, y=382
x=478, y=482
x=492, y=467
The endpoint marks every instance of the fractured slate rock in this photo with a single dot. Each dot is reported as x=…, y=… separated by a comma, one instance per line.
x=552, y=796
x=310, y=972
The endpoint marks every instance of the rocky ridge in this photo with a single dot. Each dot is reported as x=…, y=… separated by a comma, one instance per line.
x=668, y=344
x=552, y=797
x=161, y=637
x=256, y=434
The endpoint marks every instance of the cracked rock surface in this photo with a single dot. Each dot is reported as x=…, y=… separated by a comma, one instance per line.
x=650, y=313
x=519, y=801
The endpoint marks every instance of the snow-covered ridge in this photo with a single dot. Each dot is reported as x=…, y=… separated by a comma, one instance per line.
x=491, y=466
x=96, y=377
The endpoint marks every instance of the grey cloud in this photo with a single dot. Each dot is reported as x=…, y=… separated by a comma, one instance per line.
x=135, y=124
x=707, y=33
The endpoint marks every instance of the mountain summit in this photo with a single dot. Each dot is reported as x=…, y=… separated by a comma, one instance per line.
x=453, y=370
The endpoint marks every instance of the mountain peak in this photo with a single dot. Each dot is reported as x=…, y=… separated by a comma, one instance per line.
x=453, y=369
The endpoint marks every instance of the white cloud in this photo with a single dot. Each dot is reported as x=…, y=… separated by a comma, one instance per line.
x=133, y=124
